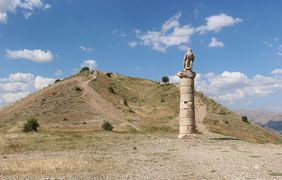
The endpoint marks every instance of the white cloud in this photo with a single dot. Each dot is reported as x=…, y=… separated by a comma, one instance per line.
x=234, y=87
x=216, y=23
x=277, y=71
x=279, y=50
x=171, y=22
x=231, y=87
x=26, y=6
x=58, y=72
x=19, y=85
x=174, y=79
x=90, y=63
x=36, y=55
x=172, y=33
x=216, y=43
x=87, y=49
x=132, y=44
x=3, y=17
x=21, y=77
x=41, y=82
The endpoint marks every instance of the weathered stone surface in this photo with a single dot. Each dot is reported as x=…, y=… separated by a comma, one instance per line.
x=187, y=125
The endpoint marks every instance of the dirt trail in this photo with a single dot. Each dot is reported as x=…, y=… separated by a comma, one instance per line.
x=200, y=113
x=100, y=104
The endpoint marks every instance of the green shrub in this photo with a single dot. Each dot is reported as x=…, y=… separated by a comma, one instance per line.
x=107, y=126
x=31, y=125
x=57, y=80
x=84, y=69
x=111, y=90
x=109, y=74
x=125, y=102
x=245, y=119
x=78, y=88
x=165, y=79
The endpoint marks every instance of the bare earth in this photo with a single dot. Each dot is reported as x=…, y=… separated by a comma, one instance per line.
x=151, y=157
x=144, y=155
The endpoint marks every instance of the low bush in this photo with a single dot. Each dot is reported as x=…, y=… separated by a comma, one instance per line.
x=109, y=74
x=57, y=80
x=245, y=119
x=84, y=69
x=78, y=88
x=107, y=126
x=125, y=102
x=111, y=90
x=31, y=125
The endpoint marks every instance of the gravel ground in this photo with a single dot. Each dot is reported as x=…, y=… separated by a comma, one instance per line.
x=156, y=157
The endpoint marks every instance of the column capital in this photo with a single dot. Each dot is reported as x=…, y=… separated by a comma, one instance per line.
x=186, y=74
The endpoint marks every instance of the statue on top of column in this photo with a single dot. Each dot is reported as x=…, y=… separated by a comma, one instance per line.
x=188, y=59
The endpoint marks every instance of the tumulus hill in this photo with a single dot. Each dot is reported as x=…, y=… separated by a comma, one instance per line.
x=81, y=103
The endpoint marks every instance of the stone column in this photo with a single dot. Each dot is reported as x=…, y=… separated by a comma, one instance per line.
x=187, y=125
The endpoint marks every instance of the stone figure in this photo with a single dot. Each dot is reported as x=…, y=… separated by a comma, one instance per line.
x=188, y=60
x=187, y=121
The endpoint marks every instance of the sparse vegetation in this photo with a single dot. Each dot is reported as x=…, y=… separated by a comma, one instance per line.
x=57, y=80
x=245, y=119
x=165, y=79
x=78, y=89
x=111, y=90
x=125, y=102
x=109, y=74
x=107, y=126
x=31, y=125
x=84, y=69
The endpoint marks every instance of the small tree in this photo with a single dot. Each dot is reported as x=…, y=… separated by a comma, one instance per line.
x=84, y=69
x=57, y=80
x=165, y=79
x=109, y=74
x=31, y=125
x=107, y=126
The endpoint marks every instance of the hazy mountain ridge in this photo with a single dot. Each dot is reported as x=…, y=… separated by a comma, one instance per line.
x=265, y=118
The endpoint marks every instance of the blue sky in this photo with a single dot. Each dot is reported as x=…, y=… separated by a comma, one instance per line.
x=238, y=44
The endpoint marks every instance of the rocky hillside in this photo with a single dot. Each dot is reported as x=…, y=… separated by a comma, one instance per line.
x=83, y=102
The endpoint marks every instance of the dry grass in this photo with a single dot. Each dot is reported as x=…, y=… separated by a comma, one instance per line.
x=70, y=119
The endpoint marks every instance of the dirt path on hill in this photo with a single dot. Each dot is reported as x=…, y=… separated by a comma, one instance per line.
x=106, y=108
x=200, y=113
x=158, y=157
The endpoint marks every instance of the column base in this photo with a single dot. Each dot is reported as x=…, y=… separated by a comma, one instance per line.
x=187, y=136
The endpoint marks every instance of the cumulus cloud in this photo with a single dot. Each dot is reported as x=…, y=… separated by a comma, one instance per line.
x=19, y=85
x=90, y=63
x=230, y=87
x=26, y=6
x=234, y=87
x=41, y=82
x=174, y=79
x=216, y=23
x=36, y=55
x=277, y=71
x=172, y=33
x=216, y=43
x=132, y=44
x=87, y=49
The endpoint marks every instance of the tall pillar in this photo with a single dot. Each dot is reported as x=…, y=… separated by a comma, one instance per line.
x=187, y=124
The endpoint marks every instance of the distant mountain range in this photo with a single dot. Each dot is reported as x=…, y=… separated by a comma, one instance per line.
x=265, y=118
